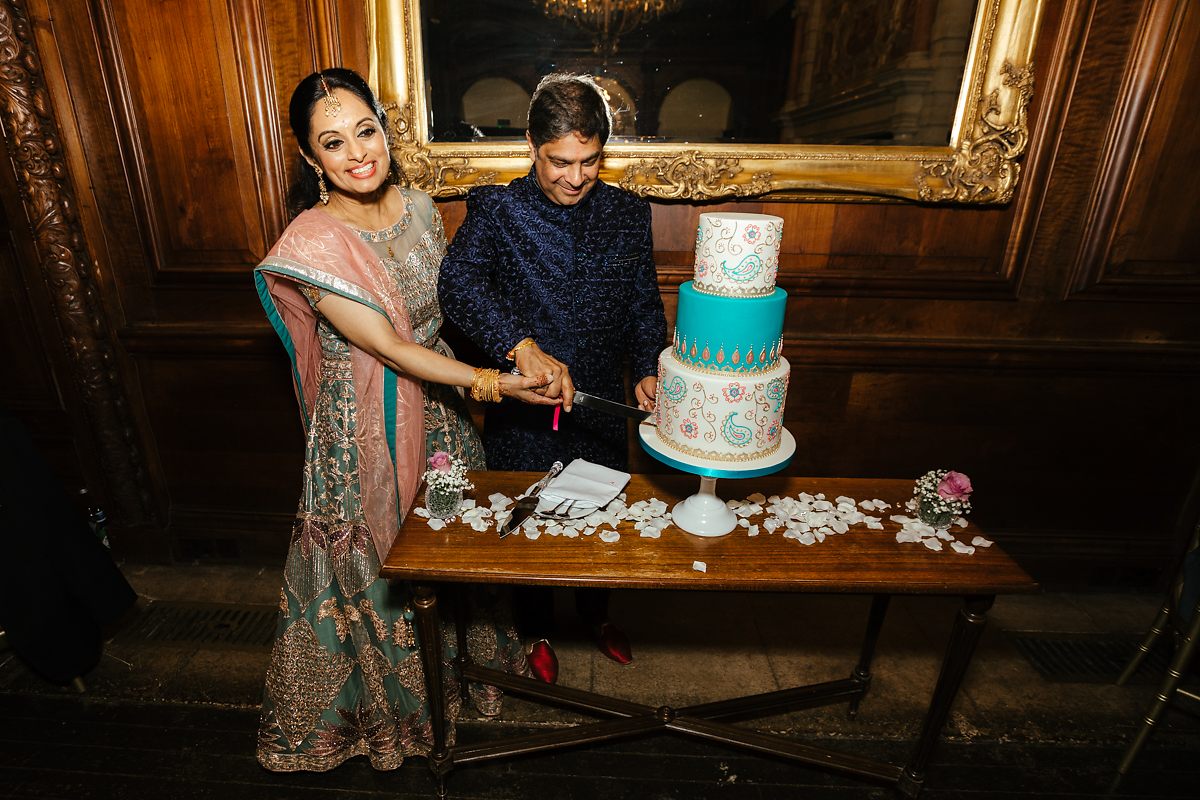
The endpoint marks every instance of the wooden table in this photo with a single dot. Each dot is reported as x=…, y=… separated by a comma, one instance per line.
x=861, y=561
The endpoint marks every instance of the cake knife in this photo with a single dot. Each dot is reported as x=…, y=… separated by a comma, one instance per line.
x=609, y=407
x=527, y=503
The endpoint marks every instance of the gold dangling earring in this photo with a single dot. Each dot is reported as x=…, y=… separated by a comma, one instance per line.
x=322, y=192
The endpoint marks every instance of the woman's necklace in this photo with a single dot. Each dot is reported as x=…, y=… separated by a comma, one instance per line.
x=371, y=234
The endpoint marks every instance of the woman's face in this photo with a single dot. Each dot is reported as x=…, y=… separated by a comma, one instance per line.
x=349, y=147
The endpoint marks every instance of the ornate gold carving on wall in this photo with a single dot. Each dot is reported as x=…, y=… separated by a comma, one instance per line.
x=985, y=169
x=34, y=145
x=979, y=166
x=421, y=168
x=691, y=176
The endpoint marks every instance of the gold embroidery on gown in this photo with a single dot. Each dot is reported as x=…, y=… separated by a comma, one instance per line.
x=345, y=677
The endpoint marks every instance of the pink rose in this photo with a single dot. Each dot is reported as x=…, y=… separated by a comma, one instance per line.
x=440, y=461
x=954, y=486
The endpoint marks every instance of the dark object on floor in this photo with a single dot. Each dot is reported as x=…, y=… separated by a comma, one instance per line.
x=1087, y=657
x=59, y=587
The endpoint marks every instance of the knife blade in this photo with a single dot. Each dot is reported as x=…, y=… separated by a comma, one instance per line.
x=609, y=407
x=528, y=501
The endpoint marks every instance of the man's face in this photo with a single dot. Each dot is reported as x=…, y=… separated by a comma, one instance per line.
x=566, y=169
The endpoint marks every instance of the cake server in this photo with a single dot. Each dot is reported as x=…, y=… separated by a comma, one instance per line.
x=609, y=407
x=529, y=501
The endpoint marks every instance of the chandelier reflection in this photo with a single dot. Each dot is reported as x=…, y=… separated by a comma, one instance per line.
x=607, y=20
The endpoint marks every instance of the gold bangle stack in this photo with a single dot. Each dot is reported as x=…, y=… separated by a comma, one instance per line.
x=485, y=385
x=511, y=354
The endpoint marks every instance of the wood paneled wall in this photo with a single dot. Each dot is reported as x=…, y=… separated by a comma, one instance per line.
x=1050, y=349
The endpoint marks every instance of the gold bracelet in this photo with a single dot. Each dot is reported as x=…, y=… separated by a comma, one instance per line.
x=485, y=385
x=528, y=340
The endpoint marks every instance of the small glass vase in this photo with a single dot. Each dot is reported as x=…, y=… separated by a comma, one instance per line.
x=442, y=503
x=934, y=519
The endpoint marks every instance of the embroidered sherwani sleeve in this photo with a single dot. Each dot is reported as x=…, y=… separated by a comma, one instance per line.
x=467, y=285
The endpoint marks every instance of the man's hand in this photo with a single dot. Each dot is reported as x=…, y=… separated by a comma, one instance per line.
x=525, y=388
x=645, y=390
x=531, y=360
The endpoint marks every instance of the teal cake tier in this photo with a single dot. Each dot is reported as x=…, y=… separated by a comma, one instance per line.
x=728, y=334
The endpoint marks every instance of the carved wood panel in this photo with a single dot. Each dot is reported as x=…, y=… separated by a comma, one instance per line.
x=192, y=108
x=1142, y=238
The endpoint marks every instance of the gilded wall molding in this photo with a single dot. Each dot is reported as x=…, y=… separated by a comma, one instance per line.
x=692, y=176
x=438, y=175
x=34, y=144
x=980, y=165
x=985, y=168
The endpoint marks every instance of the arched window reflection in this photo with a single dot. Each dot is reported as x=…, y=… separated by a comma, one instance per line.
x=696, y=109
x=496, y=106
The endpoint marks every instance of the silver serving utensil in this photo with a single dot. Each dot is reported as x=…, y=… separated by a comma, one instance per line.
x=527, y=503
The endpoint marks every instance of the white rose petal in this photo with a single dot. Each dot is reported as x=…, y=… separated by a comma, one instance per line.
x=699, y=566
x=609, y=536
x=437, y=524
x=979, y=541
x=752, y=531
x=932, y=543
x=421, y=512
x=959, y=547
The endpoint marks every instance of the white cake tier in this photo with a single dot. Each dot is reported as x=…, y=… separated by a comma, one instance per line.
x=725, y=418
x=737, y=255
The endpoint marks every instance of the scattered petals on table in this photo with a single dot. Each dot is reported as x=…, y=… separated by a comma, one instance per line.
x=807, y=519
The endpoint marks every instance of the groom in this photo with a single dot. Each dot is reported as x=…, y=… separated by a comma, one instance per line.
x=553, y=274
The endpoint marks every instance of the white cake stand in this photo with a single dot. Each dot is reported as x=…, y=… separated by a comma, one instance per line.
x=705, y=514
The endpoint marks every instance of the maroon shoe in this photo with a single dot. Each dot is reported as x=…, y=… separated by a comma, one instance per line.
x=542, y=662
x=614, y=643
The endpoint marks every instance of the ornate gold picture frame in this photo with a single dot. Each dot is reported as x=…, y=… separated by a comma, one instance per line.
x=980, y=166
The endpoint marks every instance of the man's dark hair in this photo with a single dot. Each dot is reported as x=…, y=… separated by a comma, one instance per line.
x=565, y=103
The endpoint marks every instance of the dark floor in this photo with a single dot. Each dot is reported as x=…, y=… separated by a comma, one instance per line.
x=171, y=711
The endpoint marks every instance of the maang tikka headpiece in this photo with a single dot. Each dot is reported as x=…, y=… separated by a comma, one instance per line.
x=333, y=106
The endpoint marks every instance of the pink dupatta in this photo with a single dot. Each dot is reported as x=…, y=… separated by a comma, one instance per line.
x=389, y=425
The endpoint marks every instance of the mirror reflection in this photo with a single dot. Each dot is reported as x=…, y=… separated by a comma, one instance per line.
x=842, y=72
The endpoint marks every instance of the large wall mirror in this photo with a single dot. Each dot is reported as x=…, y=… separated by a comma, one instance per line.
x=921, y=100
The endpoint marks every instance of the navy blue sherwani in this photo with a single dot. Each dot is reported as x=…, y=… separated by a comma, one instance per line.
x=581, y=281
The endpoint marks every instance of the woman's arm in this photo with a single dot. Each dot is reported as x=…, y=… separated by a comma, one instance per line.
x=369, y=331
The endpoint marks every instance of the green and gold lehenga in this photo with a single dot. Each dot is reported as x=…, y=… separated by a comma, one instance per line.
x=345, y=677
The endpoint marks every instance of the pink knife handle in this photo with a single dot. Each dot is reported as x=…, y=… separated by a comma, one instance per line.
x=557, y=411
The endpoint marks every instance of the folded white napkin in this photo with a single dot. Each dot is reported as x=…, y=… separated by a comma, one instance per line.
x=586, y=485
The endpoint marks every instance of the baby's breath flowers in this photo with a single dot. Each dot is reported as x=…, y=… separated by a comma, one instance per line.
x=942, y=496
x=445, y=481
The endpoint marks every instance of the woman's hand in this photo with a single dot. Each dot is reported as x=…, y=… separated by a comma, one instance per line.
x=645, y=390
x=524, y=388
x=531, y=360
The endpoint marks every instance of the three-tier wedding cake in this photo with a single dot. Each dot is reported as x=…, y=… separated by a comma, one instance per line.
x=723, y=382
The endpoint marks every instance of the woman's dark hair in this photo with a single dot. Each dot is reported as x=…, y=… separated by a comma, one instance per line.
x=303, y=192
x=565, y=103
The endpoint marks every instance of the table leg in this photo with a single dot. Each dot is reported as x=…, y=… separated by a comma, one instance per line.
x=862, y=672
x=429, y=639
x=968, y=625
x=462, y=620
